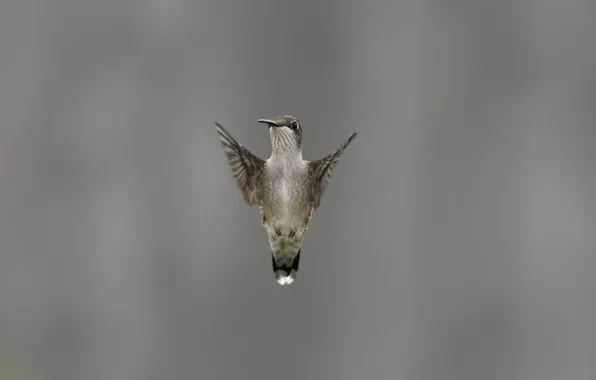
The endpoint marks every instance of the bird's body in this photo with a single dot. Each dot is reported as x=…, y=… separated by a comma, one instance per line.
x=285, y=187
x=286, y=208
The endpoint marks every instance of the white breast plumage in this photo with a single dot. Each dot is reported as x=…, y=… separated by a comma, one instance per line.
x=285, y=191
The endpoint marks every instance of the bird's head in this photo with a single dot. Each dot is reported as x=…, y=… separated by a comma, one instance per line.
x=286, y=133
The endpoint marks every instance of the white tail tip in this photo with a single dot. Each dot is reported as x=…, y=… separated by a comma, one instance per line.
x=284, y=279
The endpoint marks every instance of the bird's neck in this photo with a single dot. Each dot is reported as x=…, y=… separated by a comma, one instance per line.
x=286, y=156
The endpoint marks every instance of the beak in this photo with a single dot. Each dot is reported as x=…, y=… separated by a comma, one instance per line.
x=270, y=123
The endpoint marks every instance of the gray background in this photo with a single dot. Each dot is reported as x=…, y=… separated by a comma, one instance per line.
x=457, y=239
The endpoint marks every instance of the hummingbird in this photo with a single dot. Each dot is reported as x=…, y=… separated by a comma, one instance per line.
x=285, y=187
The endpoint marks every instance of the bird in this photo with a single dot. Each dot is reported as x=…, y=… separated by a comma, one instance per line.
x=285, y=187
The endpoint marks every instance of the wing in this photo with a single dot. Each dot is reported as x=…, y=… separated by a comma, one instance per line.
x=246, y=167
x=321, y=169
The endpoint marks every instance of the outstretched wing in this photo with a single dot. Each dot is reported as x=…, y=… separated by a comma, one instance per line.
x=246, y=167
x=321, y=169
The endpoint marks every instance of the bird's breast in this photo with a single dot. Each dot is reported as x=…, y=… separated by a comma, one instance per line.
x=285, y=192
x=287, y=199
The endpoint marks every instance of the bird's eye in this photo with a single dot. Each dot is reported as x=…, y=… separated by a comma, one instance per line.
x=294, y=126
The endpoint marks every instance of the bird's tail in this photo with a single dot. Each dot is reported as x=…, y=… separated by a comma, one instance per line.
x=285, y=267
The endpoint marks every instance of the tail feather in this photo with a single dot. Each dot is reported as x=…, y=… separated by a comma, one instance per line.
x=285, y=273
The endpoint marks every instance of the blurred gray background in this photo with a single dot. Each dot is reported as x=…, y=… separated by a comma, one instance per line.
x=457, y=239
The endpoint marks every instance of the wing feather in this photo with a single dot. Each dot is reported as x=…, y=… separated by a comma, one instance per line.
x=247, y=168
x=320, y=170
